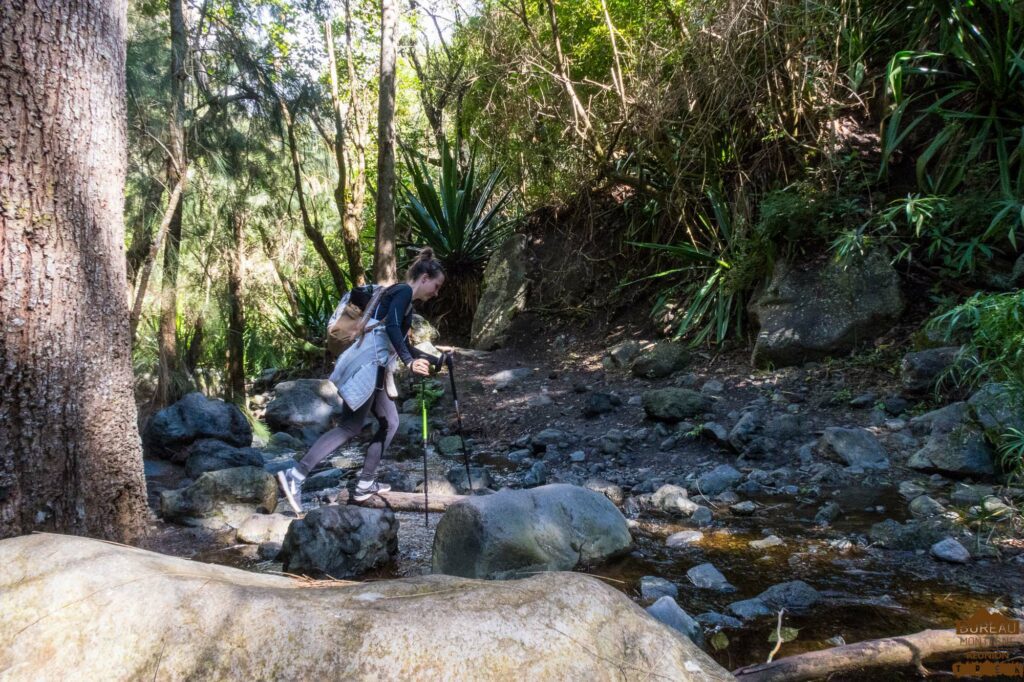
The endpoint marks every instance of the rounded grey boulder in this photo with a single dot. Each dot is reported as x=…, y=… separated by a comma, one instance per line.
x=516, y=532
x=340, y=541
x=173, y=429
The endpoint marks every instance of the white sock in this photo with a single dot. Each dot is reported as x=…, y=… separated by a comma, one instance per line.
x=298, y=474
x=365, y=484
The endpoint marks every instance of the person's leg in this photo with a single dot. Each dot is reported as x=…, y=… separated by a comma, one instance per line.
x=387, y=417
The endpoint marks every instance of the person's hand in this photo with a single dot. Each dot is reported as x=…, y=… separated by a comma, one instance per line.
x=420, y=367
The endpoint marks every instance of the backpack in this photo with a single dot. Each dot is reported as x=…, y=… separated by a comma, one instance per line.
x=348, y=323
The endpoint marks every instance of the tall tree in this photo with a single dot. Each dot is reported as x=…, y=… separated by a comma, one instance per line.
x=166, y=391
x=70, y=456
x=385, y=267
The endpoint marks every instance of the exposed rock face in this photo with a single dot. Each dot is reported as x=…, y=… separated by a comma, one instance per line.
x=853, y=447
x=340, y=541
x=220, y=499
x=660, y=361
x=921, y=371
x=117, y=612
x=173, y=429
x=955, y=445
x=504, y=295
x=809, y=313
x=516, y=532
x=304, y=407
x=213, y=455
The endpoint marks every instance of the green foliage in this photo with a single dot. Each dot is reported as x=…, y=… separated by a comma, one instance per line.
x=429, y=392
x=315, y=303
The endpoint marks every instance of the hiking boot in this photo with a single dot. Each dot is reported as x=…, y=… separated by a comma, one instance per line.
x=290, y=482
x=366, y=490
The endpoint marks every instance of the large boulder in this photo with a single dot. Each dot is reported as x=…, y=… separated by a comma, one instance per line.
x=220, y=499
x=517, y=532
x=813, y=312
x=854, y=447
x=955, y=444
x=504, y=294
x=209, y=454
x=921, y=371
x=663, y=359
x=114, y=612
x=997, y=410
x=304, y=407
x=340, y=541
x=171, y=431
x=674, y=404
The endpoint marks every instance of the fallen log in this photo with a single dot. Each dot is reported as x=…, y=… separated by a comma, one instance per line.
x=891, y=652
x=395, y=501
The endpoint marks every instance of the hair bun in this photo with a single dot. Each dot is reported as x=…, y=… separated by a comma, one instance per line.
x=426, y=253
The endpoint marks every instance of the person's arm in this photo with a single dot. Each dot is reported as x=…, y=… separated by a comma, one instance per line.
x=399, y=301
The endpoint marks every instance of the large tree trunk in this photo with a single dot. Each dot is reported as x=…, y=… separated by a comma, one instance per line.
x=385, y=267
x=358, y=134
x=167, y=390
x=236, y=317
x=349, y=233
x=70, y=457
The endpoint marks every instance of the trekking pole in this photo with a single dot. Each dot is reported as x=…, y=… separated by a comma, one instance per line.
x=458, y=418
x=426, y=495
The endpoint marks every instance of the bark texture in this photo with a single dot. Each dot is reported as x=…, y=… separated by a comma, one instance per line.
x=236, y=313
x=70, y=456
x=385, y=267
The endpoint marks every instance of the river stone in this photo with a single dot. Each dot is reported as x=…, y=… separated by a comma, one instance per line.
x=684, y=538
x=209, y=454
x=795, y=595
x=708, y=577
x=661, y=360
x=948, y=549
x=220, y=499
x=509, y=377
x=438, y=486
x=652, y=588
x=815, y=311
x=955, y=445
x=702, y=516
x=748, y=609
x=479, y=476
x=854, y=447
x=171, y=430
x=711, y=619
x=745, y=508
x=923, y=506
x=967, y=494
x=828, y=513
x=449, y=446
x=718, y=479
x=766, y=543
x=997, y=410
x=921, y=371
x=536, y=476
x=516, y=532
x=340, y=541
x=540, y=441
x=668, y=499
x=151, y=616
x=504, y=294
x=744, y=430
x=674, y=404
x=304, y=407
x=909, y=490
x=912, y=535
x=260, y=528
x=597, y=404
x=610, y=490
x=622, y=354
x=667, y=611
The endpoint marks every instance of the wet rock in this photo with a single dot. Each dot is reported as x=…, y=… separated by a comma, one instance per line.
x=663, y=359
x=674, y=404
x=517, y=456
x=954, y=445
x=505, y=283
x=340, y=541
x=653, y=588
x=808, y=312
x=667, y=611
x=706, y=576
x=828, y=513
x=795, y=595
x=480, y=478
x=260, y=528
x=727, y=497
x=219, y=499
x=669, y=499
x=170, y=432
x=744, y=430
x=745, y=508
x=909, y=490
x=924, y=506
x=610, y=490
x=948, y=549
x=684, y=538
x=912, y=535
x=702, y=516
x=515, y=532
x=718, y=479
x=600, y=403
x=536, y=476
x=968, y=494
x=507, y=378
x=213, y=455
x=854, y=447
x=766, y=543
x=749, y=609
x=710, y=619
x=920, y=372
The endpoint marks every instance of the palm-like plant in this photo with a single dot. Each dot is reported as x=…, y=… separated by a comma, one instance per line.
x=460, y=218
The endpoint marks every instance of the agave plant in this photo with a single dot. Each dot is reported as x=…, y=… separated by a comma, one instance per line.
x=460, y=218
x=315, y=302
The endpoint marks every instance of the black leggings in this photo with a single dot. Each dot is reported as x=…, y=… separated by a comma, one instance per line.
x=351, y=424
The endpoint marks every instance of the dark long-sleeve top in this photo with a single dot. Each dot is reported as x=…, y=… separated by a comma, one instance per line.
x=394, y=311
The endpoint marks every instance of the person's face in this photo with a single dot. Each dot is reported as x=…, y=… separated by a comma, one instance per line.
x=428, y=287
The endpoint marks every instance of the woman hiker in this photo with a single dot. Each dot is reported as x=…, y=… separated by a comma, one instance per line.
x=364, y=377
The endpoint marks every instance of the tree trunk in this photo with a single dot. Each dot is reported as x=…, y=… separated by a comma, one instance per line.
x=236, y=316
x=410, y=502
x=385, y=267
x=349, y=235
x=142, y=231
x=356, y=149
x=168, y=390
x=70, y=456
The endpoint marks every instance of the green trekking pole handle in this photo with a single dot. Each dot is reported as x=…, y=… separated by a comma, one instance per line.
x=426, y=495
